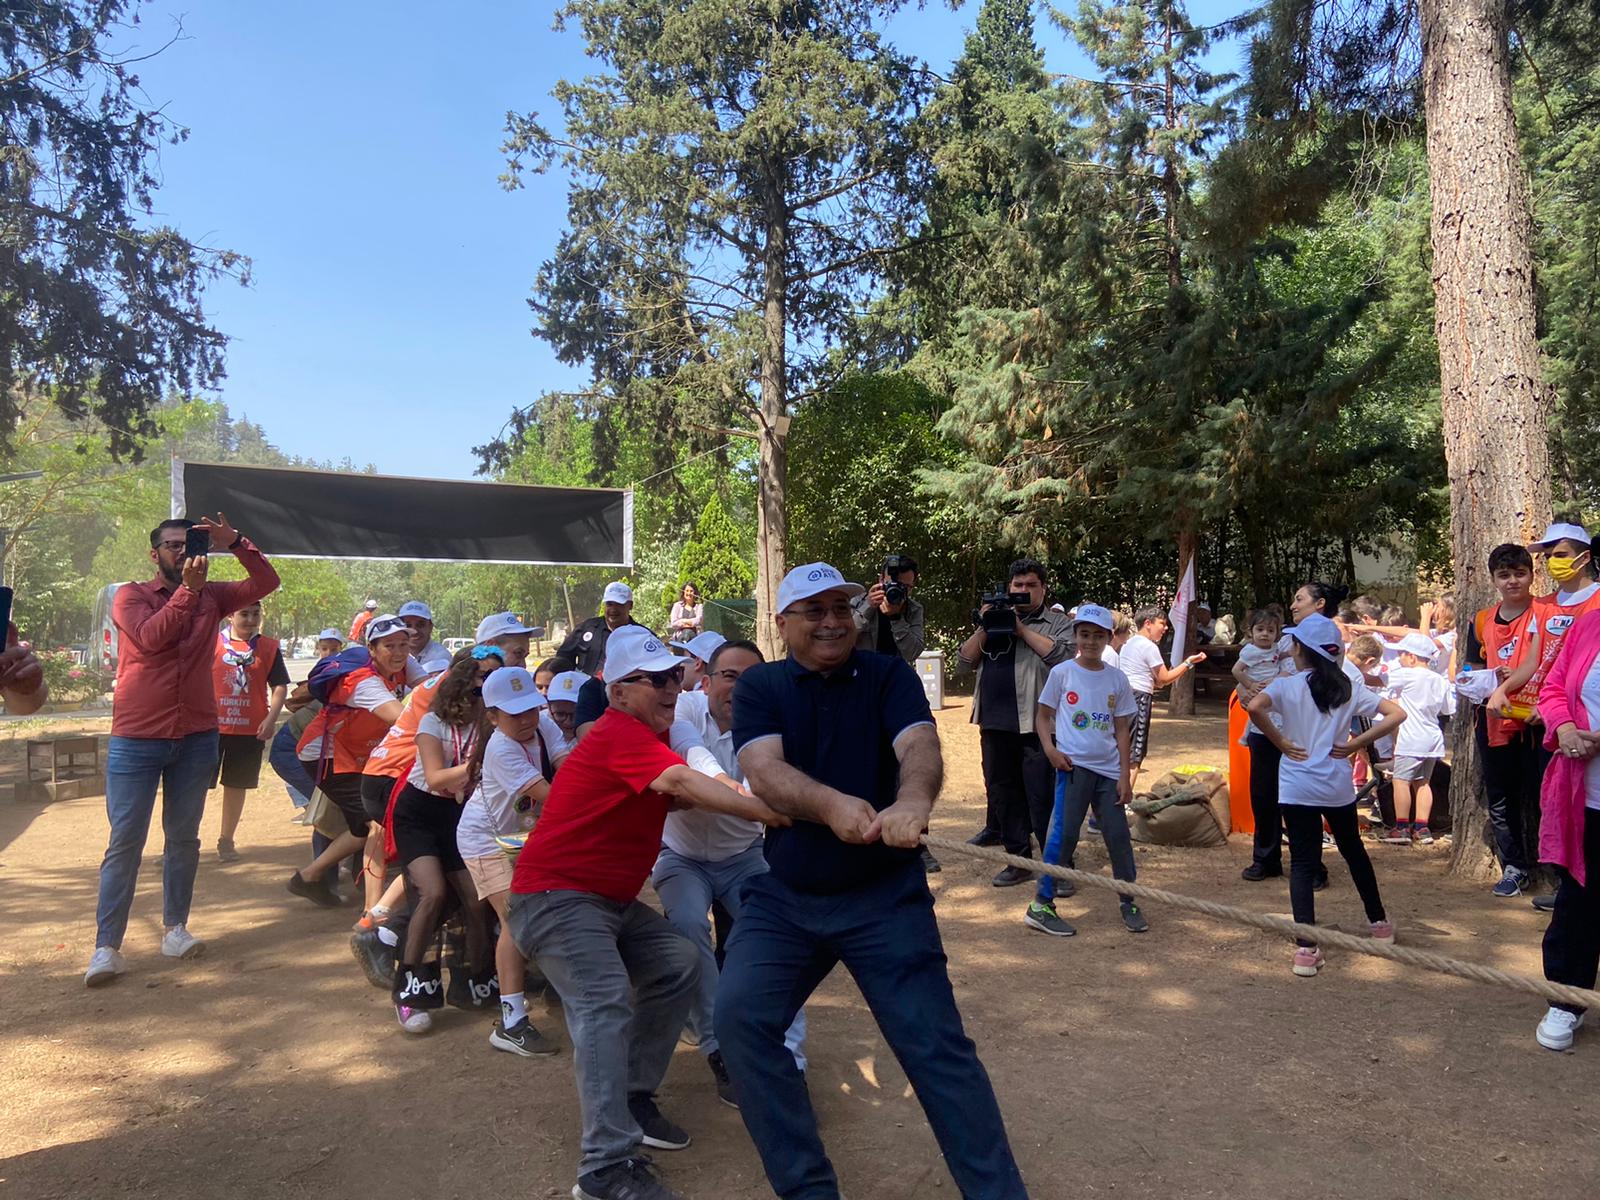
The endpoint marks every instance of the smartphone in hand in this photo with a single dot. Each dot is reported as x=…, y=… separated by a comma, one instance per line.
x=197, y=542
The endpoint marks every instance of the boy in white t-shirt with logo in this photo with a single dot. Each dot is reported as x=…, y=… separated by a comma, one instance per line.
x=1085, y=724
x=1419, y=745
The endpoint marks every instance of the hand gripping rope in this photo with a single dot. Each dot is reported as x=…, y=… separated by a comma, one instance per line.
x=1558, y=993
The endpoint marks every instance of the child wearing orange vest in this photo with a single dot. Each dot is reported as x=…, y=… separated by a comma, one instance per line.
x=251, y=683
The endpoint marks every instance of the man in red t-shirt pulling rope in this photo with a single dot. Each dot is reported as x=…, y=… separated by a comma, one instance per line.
x=626, y=977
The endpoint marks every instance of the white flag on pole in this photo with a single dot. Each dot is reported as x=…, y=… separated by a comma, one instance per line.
x=1178, y=614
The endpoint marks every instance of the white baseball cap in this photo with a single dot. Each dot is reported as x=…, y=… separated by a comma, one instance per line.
x=511, y=690
x=1419, y=644
x=1093, y=614
x=618, y=593
x=416, y=608
x=813, y=579
x=382, y=627
x=372, y=605
x=566, y=685
x=1559, y=531
x=1319, y=635
x=330, y=633
x=497, y=625
x=634, y=648
x=702, y=645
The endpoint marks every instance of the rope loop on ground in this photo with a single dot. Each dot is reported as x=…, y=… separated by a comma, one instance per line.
x=1556, y=993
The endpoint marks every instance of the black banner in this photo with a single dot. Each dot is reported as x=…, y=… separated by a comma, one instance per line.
x=320, y=514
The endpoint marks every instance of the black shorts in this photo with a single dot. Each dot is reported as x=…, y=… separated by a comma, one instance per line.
x=425, y=827
x=1144, y=702
x=375, y=793
x=343, y=790
x=238, y=760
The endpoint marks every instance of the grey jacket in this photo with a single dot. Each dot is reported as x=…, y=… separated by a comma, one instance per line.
x=1031, y=670
x=907, y=627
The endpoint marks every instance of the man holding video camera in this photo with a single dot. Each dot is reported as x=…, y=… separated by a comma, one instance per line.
x=888, y=620
x=1017, y=640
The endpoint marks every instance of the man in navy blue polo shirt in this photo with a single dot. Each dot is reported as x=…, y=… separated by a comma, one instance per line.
x=842, y=742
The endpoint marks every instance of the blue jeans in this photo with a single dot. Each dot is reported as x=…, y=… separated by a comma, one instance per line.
x=626, y=979
x=1077, y=791
x=183, y=768
x=687, y=887
x=295, y=774
x=783, y=945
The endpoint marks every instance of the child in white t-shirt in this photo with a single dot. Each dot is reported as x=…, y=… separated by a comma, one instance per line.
x=1085, y=723
x=1314, y=709
x=1425, y=696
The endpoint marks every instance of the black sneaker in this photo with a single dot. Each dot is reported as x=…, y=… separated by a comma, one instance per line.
x=376, y=959
x=1255, y=873
x=1133, y=918
x=985, y=837
x=719, y=1072
x=631, y=1180
x=1544, y=903
x=314, y=890
x=659, y=1133
x=521, y=1038
x=1012, y=876
x=1045, y=919
x=930, y=864
x=1320, y=883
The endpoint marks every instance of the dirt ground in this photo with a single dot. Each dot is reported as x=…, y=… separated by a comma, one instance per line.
x=1186, y=1062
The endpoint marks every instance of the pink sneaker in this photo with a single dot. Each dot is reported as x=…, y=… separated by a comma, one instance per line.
x=1383, y=931
x=1308, y=960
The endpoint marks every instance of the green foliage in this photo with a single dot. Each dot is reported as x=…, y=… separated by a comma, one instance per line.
x=717, y=559
x=100, y=309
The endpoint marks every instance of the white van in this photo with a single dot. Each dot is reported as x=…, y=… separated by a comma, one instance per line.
x=104, y=638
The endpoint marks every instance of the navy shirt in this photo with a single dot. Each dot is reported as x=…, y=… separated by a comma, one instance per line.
x=839, y=729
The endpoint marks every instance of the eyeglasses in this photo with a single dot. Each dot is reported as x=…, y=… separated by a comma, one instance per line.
x=174, y=546
x=814, y=614
x=657, y=679
x=729, y=676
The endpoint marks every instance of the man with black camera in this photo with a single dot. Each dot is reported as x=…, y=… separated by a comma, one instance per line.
x=1017, y=641
x=888, y=620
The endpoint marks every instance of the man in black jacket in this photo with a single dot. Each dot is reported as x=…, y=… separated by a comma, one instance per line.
x=586, y=645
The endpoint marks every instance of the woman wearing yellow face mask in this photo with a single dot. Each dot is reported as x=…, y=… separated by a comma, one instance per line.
x=1570, y=563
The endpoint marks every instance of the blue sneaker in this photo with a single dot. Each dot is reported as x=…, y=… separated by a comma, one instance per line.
x=1511, y=883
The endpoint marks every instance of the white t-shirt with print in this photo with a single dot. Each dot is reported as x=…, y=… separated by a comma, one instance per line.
x=1138, y=661
x=1086, y=701
x=1321, y=781
x=509, y=766
x=1426, y=697
x=1261, y=667
x=457, y=745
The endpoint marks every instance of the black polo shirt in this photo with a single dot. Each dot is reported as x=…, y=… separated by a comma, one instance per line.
x=839, y=729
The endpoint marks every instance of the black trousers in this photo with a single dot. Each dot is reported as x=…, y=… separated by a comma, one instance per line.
x=1267, y=852
x=1020, y=786
x=1511, y=777
x=1305, y=858
x=1572, y=942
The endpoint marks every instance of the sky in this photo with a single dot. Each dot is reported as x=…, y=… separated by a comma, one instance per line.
x=352, y=151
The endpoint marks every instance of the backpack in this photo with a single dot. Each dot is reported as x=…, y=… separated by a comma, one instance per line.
x=335, y=667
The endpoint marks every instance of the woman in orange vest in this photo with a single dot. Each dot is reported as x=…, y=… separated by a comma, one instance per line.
x=251, y=683
x=360, y=709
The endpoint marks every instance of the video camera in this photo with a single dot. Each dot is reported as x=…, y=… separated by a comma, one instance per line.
x=997, y=609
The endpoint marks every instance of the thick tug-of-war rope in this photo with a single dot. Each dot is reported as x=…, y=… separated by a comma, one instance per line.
x=1558, y=993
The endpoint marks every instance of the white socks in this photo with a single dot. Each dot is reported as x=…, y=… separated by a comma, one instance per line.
x=513, y=1009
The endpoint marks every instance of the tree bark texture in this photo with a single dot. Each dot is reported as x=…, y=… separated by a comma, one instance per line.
x=772, y=525
x=1496, y=406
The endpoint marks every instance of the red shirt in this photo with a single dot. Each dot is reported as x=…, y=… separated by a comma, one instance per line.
x=601, y=826
x=168, y=639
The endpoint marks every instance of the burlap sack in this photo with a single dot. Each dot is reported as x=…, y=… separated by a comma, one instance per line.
x=1183, y=808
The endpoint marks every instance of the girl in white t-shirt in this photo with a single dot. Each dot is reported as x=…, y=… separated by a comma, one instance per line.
x=513, y=782
x=1307, y=718
x=424, y=823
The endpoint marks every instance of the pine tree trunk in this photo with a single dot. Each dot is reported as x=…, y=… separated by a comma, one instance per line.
x=1180, y=699
x=1496, y=406
x=772, y=528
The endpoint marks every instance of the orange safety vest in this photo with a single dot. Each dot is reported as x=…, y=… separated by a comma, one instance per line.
x=394, y=756
x=1504, y=646
x=1554, y=621
x=353, y=732
x=239, y=678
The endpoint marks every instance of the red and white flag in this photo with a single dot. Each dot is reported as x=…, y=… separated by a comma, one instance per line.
x=1178, y=614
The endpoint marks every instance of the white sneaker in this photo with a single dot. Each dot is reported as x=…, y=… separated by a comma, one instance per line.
x=1556, y=1030
x=104, y=966
x=180, y=943
x=413, y=1020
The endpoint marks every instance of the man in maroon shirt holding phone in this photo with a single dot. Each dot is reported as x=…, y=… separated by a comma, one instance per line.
x=164, y=727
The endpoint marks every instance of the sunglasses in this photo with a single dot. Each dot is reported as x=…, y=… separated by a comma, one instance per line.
x=656, y=679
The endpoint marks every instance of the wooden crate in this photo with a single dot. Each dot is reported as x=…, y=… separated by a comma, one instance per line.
x=63, y=769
